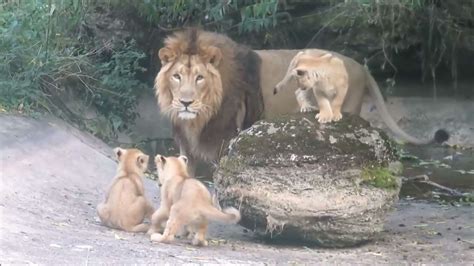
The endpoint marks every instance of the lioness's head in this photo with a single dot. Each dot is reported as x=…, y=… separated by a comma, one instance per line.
x=189, y=84
x=307, y=69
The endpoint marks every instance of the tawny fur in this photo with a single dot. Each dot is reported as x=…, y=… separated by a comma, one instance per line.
x=185, y=202
x=237, y=83
x=218, y=81
x=346, y=80
x=326, y=76
x=125, y=206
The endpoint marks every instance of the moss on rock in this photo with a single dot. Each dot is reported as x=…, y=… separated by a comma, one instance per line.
x=379, y=177
x=328, y=184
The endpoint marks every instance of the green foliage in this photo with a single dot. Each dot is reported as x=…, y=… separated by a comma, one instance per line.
x=27, y=40
x=246, y=16
x=116, y=95
x=437, y=29
x=45, y=48
x=432, y=30
x=42, y=57
x=379, y=177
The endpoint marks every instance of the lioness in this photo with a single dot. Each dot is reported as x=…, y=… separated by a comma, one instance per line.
x=326, y=76
x=125, y=205
x=184, y=202
x=277, y=62
x=211, y=88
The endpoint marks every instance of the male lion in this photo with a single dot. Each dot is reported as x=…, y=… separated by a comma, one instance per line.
x=125, y=205
x=211, y=87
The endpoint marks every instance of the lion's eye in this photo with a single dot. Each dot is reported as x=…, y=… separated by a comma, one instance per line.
x=177, y=77
x=199, y=78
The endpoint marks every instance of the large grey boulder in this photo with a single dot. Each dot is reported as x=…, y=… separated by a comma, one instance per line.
x=296, y=179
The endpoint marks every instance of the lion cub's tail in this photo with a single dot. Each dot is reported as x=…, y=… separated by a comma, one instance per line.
x=228, y=215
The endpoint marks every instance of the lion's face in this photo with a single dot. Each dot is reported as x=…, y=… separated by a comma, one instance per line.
x=189, y=85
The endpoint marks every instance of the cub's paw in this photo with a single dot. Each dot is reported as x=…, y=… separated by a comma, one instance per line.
x=157, y=237
x=307, y=108
x=336, y=117
x=324, y=117
x=154, y=229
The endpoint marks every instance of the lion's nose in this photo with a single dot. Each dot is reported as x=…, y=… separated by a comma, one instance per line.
x=186, y=103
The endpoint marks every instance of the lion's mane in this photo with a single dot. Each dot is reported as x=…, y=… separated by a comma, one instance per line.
x=236, y=85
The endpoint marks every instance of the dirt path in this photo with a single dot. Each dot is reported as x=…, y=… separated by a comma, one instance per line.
x=52, y=176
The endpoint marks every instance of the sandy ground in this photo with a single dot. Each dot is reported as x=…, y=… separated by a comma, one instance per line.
x=52, y=176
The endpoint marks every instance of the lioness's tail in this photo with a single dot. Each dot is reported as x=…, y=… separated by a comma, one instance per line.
x=228, y=215
x=440, y=136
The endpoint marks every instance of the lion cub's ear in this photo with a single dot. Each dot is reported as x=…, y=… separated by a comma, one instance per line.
x=142, y=160
x=119, y=152
x=160, y=159
x=324, y=56
x=184, y=159
x=166, y=55
x=212, y=55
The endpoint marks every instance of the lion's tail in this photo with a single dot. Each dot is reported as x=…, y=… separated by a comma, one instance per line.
x=440, y=136
x=228, y=215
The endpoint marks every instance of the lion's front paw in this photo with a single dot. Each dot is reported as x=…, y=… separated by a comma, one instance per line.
x=324, y=117
x=307, y=108
x=336, y=116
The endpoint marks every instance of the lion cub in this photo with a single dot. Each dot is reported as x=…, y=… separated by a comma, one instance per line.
x=125, y=205
x=325, y=74
x=186, y=202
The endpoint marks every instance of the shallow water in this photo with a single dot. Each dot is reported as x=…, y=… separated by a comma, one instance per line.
x=449, y=167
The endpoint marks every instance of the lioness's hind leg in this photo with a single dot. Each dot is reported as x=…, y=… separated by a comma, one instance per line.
x=200, y=237
x=304, y=101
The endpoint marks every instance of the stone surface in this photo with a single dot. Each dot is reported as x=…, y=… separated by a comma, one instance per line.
x=47, y=215
x=296, y=179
